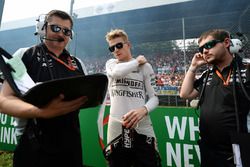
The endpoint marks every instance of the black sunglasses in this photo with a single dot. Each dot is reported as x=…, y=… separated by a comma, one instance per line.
x=57, y=28
x=118, y=46
x=209, y=45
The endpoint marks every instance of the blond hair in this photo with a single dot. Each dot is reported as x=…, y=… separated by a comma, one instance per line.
x=116, y=33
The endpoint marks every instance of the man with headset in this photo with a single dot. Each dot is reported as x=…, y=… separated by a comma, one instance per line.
x=52, y=134
x=218, y=100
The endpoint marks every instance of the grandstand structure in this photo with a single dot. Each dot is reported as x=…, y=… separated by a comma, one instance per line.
x=148, y=23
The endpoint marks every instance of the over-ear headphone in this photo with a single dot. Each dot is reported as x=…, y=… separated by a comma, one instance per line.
x=40, y=26
x=235, y=46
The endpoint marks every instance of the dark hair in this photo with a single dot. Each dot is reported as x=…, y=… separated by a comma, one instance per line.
x=58, y=13
x=218, y=34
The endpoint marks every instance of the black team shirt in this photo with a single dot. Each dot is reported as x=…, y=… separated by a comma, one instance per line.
x=60, y=135
x=217, y=117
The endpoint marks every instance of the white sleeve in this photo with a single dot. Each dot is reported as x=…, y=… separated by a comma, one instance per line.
x=116, y=70
x=20, y=52
x=22, y=79
x=149, y=79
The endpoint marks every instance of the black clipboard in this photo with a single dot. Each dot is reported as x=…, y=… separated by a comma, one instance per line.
x=93, y=86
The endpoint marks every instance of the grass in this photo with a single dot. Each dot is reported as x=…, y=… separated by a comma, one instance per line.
x=6, y=159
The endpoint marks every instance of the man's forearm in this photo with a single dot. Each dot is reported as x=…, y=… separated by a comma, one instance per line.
x=17, y=108
x=187, y=88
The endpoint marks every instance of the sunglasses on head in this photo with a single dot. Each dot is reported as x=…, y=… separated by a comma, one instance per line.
x=118, y=46
x=56, y=28
x=209, y=45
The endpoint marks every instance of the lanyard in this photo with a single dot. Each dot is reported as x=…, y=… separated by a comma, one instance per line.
x=70, y=66
x=225, y=82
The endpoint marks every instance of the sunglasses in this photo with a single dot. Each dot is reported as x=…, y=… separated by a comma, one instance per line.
x=118, y=46
x=57, y=28
x=209, y=45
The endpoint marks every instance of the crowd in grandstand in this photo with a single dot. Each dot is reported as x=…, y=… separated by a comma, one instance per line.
x=169, y=68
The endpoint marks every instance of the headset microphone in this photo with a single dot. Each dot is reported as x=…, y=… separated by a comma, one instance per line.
x=58, y=40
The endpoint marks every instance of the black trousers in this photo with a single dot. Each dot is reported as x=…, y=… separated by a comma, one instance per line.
x=143, y=154
x=36, y=152
x=211, y=157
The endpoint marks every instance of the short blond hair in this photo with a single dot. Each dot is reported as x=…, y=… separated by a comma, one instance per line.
x=116, y=33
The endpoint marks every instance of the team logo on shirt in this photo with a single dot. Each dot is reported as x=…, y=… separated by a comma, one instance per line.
x=132, y=83
x=74, y=64
x=43, y=61
x=127, y=93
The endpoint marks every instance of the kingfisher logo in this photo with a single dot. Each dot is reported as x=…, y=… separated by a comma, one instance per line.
x=126, y=93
